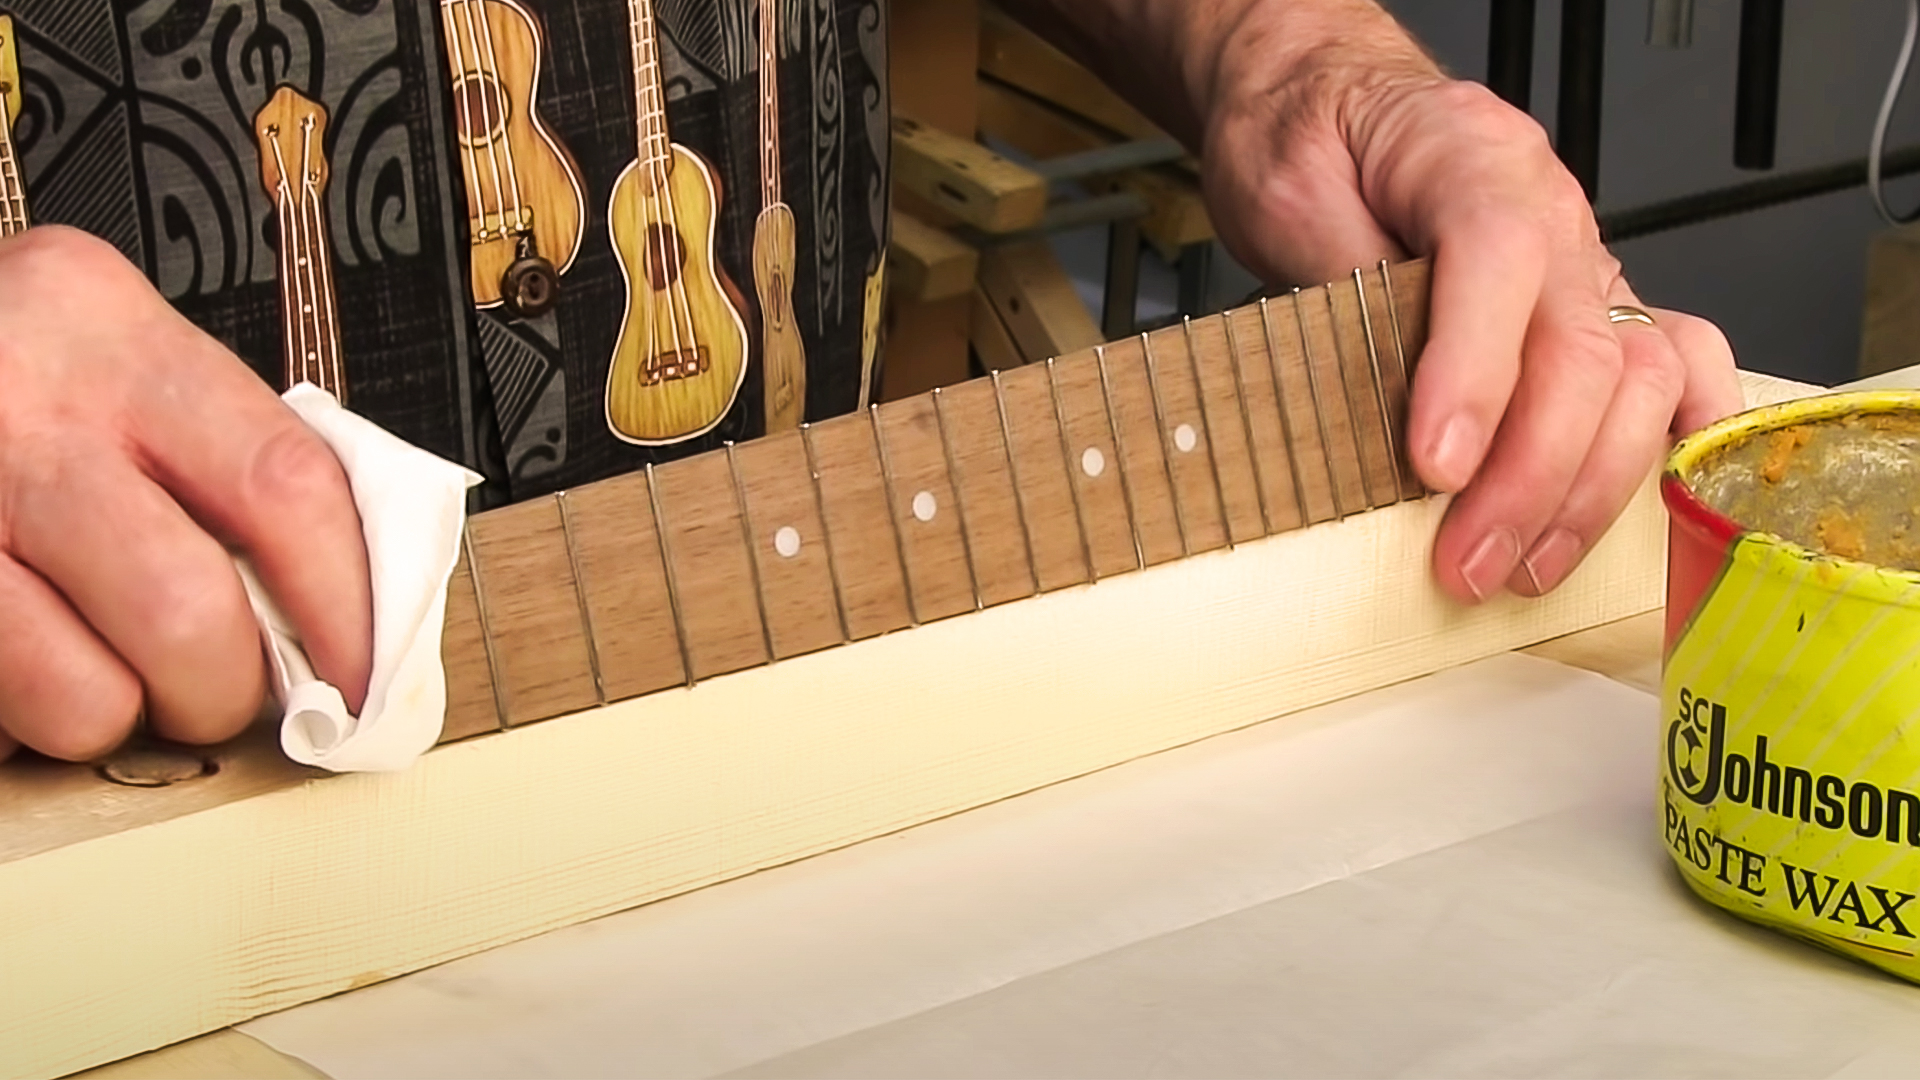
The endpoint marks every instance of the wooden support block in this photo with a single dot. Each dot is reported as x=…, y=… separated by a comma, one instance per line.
x=929, y=263
x=992, y=341
x=965, y=179
x=926, y=346
x=1036, y=300
x=1018, y=57
x=531, y=612
x=629, y=606
x=1176, y=210
x=1890, y=326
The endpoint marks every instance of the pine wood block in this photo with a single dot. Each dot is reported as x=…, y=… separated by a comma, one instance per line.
x=966, y=179
x=926, y=346
x=859, y=520
x=1017, y=56
x=629, y=607
x=1036, y=300
x=531, y=611
x=929, y=263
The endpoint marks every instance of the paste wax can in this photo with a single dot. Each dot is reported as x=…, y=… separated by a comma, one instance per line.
x=1791, y=693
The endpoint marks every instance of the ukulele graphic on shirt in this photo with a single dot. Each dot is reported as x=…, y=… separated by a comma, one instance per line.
x=682, y=351
x=13, y=183
x=783, y=354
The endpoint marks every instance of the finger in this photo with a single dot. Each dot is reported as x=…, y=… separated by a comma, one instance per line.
x=1629, y=443
x=249, y=469
x=66, y=693
x=1712, y=392
x=157, y=588
x=1573, y=365
x=1487, y=279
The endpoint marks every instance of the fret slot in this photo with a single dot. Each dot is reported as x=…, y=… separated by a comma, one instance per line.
x=712, y=574
x=1363, y=393
x=994, y=514
x=925, y=509
x=1202, y=348
x=1295, y=483
x=471, y=708
x=1094, y=465
x=531, y=610
x=1186, y=438
x=629, y=608
x=789, y=545
x=873, y=584
x=1060, y=555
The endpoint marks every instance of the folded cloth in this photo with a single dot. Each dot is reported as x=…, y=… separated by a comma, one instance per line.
x=413, y=510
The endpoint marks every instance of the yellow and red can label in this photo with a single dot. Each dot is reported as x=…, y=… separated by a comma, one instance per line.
x=1790, y=788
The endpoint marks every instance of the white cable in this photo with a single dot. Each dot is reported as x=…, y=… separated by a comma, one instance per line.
x=1879, y=146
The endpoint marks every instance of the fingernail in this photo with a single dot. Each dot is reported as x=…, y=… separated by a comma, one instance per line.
x=1456, y=453
x=1552, y=559
x=1491, y=562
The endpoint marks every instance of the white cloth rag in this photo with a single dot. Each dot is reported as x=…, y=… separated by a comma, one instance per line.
x=413, y=510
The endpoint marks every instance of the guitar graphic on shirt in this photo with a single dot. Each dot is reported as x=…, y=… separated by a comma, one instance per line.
x=291, y=130
x=682, y=351
x=13, y=183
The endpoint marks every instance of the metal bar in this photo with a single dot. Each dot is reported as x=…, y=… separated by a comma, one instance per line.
x=1774, y=190
x=1121, y=157
x=1670, y=24
x=1756, y=107
x=1510, y=51
x=1583, y=50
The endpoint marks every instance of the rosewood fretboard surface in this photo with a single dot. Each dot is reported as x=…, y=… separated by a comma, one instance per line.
x=1190, y=439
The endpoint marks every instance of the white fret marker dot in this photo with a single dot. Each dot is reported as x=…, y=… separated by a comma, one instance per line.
x=1093, y=462
x=925, y=506
x=786, y=541
x=1185, y=439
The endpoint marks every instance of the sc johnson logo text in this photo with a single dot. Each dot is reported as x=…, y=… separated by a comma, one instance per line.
x=1700, y=767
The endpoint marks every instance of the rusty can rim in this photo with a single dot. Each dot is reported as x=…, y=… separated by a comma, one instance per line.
x=1688, y=508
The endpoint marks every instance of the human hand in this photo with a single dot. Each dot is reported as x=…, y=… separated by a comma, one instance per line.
x=135, y=453
x=1542, y=415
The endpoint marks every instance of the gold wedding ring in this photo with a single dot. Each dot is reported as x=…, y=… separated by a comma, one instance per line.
x=1628, y=313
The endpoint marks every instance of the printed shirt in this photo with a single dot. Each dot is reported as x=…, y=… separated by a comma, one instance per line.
x=138, y=125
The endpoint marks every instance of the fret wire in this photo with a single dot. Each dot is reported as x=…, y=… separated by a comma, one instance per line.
x=580, y=594
x=1346, y=391
x=1013, y=472
x=1379, y=386
x=893, y=512
x=1399, y=351
x=1319, y=407
x=753, y=550
x=1206, y=425
x=826, y=532
x=1286, y=414
x=500, y=704
x=959, y=497
x=1120, y=456
x=673, y=584
x=1166, y=444
x=1073, y=478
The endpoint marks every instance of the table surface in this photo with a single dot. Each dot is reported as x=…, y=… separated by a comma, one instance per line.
x=1627, y=651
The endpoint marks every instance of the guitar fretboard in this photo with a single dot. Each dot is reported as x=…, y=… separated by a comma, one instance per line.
x=13, y=183
x=770, y=193
x=1050, y=476
x=294, y=171
x=649, y=91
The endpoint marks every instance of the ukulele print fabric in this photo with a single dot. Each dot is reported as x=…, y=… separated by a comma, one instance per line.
x=137, y=126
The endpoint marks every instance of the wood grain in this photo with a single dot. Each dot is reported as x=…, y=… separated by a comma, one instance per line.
x=965, y=179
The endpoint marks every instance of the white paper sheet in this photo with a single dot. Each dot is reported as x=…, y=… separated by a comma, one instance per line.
x=1457, y=876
